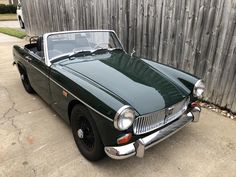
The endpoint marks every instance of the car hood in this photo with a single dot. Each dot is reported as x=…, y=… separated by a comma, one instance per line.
x=136, y=82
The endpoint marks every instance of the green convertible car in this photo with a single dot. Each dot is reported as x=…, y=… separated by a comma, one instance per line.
x=116, y=104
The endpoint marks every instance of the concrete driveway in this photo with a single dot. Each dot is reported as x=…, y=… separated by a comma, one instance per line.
x=11, y=24
x=7, y=38
x=34, y=141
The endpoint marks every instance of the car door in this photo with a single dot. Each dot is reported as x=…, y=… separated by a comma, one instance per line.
x=39, y=76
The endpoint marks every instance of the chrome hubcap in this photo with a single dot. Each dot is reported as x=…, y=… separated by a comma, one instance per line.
x=80, y=133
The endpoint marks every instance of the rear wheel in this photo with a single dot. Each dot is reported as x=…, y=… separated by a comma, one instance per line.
x=25, y=81
x=85, y=134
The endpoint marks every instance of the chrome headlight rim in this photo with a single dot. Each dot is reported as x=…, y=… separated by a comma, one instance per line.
x=199, y=85
x=118, y=118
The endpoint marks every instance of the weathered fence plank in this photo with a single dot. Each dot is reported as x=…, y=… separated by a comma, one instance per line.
x=198, y=36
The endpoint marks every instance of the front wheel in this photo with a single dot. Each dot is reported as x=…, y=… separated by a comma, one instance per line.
x=85, y=134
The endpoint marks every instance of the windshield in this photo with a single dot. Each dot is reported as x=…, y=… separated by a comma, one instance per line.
x=63, y=43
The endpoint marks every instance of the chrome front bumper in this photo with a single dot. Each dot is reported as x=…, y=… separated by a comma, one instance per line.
x=138, y=147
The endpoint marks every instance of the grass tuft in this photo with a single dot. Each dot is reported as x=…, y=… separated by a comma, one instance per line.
x=13, y=32
x=7, y=17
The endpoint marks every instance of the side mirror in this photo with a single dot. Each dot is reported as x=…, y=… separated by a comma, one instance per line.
x=133, y=52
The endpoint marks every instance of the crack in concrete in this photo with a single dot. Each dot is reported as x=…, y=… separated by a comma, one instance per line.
x=4, y=115
x=12, y=106
x=8, y=118
x=35, y=172
x=21, y=143
x=10, y=109
x=21, y=113
x=19, y=132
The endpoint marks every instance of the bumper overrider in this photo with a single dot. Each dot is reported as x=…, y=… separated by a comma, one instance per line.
x=139, y=146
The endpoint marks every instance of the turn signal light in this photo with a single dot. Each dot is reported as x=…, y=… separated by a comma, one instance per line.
x=124, y=139
x=195, y=103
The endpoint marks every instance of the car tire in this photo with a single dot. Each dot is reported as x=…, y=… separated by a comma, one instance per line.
x=85, y=134
x=25, y=81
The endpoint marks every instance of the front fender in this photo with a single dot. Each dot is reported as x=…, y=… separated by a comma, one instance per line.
x=106, y=129
x=87, y=92
x=181, y=78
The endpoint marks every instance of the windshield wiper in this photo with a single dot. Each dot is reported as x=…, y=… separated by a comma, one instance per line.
x=100, y=51
x=104, y=50
x=70, y=55
x=60, y=57
x=80, y=53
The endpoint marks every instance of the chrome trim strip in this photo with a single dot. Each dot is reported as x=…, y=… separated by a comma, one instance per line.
x=74, y=31
x=121, y=110
x=72, y=94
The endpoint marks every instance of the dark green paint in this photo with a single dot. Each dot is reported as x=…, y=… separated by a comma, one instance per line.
x=106, y=82
x=134, y=81
x=185, y=80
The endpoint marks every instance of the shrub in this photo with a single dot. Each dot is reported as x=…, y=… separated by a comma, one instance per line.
x=7, y=9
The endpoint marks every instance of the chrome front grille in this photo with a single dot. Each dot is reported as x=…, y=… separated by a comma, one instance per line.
x=152, y=121
x=148, y=122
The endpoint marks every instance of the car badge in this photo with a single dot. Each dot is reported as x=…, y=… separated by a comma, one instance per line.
x=64, y=93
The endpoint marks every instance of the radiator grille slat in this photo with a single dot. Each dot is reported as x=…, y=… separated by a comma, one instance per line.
x=152, y=121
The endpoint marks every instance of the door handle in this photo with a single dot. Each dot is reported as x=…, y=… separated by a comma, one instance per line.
x=28, y=58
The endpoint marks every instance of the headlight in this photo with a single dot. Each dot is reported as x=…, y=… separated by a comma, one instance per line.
x=124, y=118
x=198, y=89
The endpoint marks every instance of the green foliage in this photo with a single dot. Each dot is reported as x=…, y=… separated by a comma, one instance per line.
x=4, y=9
x=13, y=32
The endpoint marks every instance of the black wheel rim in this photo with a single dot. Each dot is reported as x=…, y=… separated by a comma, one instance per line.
x=88, y=136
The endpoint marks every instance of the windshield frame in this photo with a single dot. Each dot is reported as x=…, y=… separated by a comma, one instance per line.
x=46, y=35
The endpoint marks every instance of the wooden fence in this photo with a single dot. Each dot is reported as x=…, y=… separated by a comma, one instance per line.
x=197, y=36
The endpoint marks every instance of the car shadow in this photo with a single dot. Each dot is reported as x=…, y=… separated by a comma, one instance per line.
x=163, y=150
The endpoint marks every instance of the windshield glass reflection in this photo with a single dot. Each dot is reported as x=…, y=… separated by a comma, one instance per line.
x=63, y=43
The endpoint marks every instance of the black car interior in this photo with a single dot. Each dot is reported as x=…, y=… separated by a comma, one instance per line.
x=36, y=45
